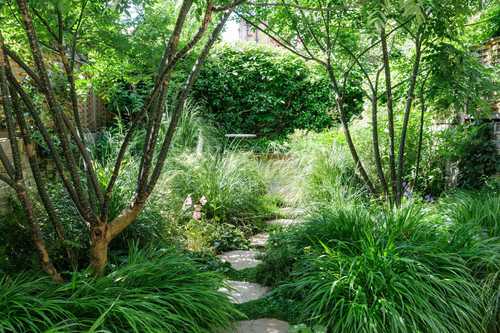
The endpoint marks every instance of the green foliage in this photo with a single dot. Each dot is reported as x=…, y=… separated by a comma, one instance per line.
x=250, y=89
x=26, y=305
x=472, y=148
x=331, y=225
x=16, y=246
x=18, y=251
x=486, y=25
x=219, y=237
x=155, y=291
x=316, y=167
x=469, y=149
x=457, y=81
x=228, y=191
x=353, y=268
x=236, y=194
x=229, y=181
x=127, y=98
x=481, y=209
x=272, y=306
x=380, y=289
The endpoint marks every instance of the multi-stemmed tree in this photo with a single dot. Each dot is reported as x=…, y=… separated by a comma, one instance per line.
x=62, y=131
x=370, y=38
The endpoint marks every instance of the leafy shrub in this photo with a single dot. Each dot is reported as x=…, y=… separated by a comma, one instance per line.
x=203, y=235
x=16, y=246
x=156, y=291
x=250, y=89
x=472, y=148
x=126, y=99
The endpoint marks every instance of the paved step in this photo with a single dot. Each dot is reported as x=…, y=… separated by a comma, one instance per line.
x=240, y=259
x=259, y=240
x=241, y=292
x=284, y=222
x=292, y=212
x=259, y=326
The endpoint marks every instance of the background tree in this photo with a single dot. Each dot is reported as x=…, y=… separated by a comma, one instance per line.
x=386, y=41
x=67, y=145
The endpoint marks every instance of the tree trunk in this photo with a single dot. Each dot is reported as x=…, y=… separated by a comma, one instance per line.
x=99, y=248
x=406, y=119
x=15, y=172
x=103, y=233
x=345, y=125
x=420, y=136
x=390, y=114
x=36, y=235
x=376, y=146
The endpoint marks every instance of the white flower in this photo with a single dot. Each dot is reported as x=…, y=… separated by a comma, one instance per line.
x=203, y=201
x=188, y=202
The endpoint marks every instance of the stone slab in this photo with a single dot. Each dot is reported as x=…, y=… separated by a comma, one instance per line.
x=259, y=326
x=291, y=212
x=240, y=259
x=284, y=222
x=241, y=292
x=259, y=240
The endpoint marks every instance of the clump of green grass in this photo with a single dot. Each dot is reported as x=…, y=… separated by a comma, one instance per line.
x=381, y=290
x=314, y=168
x=229, y=181
x=357, y=269
x=329, y=224
x=155, y=291
x=475, y=230
x=26, y=305
x=475, y=208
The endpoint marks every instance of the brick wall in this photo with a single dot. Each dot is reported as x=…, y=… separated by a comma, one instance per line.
x=249, y=34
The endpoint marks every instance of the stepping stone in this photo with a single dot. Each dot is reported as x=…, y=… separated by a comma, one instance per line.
x=259, y=240
x=240, y=259
x=284, y=222
x=241, y=292
x=291, y=212
x=260, y=326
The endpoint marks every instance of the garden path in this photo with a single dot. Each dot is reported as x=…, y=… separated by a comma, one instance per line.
x=241, y=292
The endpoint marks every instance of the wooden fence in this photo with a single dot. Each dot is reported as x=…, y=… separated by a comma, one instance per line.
x=489, y=54
x=5, y=191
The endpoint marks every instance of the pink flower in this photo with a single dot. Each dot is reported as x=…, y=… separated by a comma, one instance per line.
x=203, y=201
x=188, y=202
x=197, y=212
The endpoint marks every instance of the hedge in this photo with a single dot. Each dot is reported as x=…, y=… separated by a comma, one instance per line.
x=254, y=89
